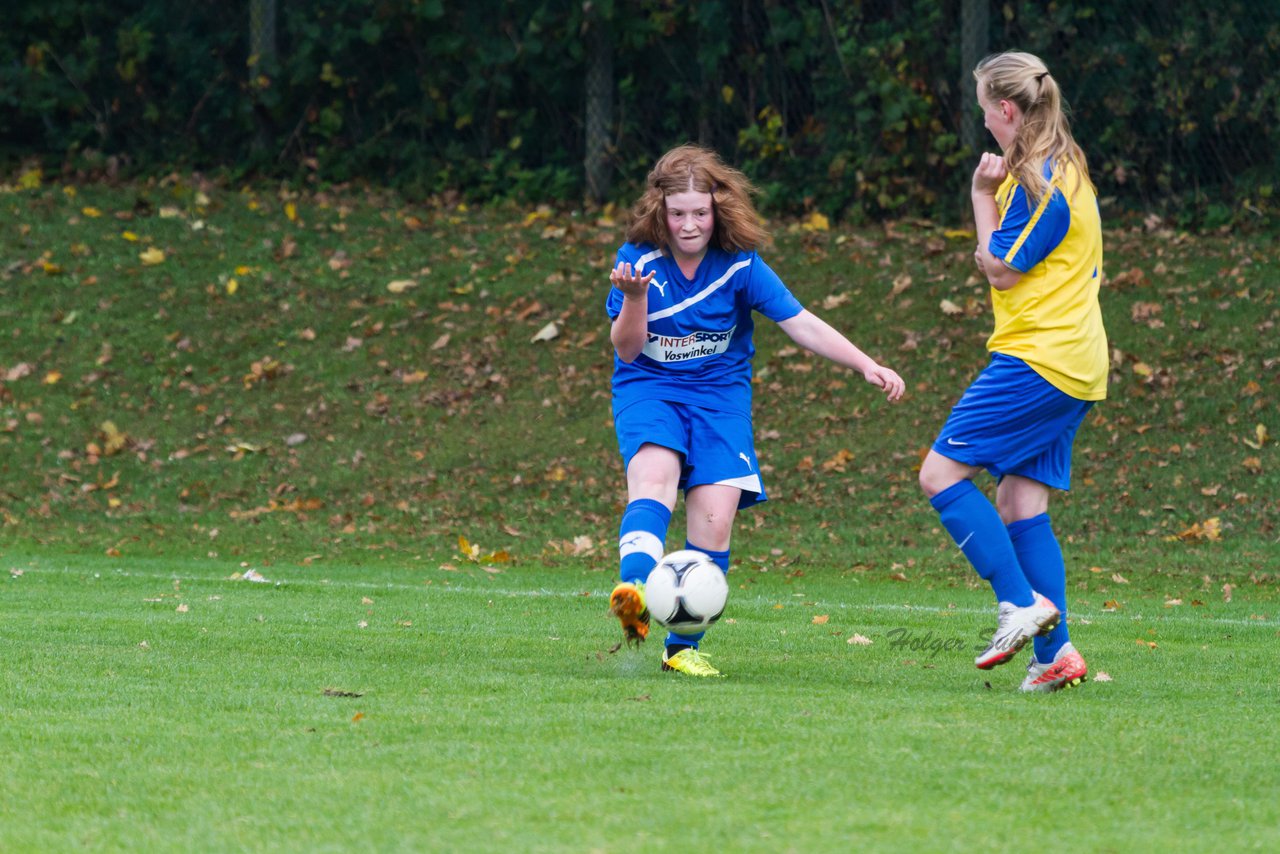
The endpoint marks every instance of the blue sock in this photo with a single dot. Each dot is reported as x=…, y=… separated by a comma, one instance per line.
x=1041, y=559
x=641, y=538
x=977, y=528
x=721, y=560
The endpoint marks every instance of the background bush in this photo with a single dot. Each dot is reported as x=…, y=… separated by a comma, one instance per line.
x=854, y=109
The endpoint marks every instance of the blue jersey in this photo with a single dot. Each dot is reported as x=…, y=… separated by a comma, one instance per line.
x=698, y=349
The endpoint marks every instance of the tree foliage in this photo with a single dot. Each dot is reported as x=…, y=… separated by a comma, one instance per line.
x=853, y=109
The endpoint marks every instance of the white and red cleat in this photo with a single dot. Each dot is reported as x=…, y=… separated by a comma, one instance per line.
x=1065, y=671
x=1015, y=628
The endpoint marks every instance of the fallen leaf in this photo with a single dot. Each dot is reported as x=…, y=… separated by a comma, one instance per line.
x=949, y=308
x=1102, y=676
x=399, y=286
x=151, y=256
x=546, y=333
x=1208, y=531
x=816, y=221
x=821, y=619
x=860, y=640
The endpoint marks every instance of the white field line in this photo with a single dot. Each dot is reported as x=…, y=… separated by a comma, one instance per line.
x=1165, y=615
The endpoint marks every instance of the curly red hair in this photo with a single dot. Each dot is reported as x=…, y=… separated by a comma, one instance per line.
x=692, y=167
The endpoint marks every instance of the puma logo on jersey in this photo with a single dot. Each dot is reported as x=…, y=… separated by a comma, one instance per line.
x=746, y=460
x=662, y=287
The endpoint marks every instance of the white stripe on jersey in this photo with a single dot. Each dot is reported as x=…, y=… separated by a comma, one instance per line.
x=645, y=259
x=701, y=295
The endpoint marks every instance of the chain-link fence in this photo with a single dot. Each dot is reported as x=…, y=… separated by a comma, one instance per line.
x=1173, y=101
x=859, y=108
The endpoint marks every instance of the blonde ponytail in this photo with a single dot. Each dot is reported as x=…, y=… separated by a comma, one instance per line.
x=1045, y=134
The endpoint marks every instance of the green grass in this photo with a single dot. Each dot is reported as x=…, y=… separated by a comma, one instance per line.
x=339, y=437
x=494, y=714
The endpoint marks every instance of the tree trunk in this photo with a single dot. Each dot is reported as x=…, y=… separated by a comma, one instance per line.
x=975, y=24
x=597, y=162
x=262, y=65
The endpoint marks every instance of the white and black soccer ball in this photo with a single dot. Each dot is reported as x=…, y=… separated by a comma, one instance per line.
x=686, y=592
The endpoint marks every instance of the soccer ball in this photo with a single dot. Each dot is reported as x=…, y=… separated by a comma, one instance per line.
x=686, y=592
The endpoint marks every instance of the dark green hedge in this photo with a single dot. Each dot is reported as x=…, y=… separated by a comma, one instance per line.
x=853, y=108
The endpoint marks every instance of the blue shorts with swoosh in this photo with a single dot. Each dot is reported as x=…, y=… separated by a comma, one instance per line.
x=716, y=447
x=1013, y=421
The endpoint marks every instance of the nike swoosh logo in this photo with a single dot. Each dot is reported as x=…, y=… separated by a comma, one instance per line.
x=953, y=443
x=967, y=539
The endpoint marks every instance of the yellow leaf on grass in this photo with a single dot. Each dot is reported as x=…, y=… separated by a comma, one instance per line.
x=151, y=256
x=129, y=236
x=1210, y=530
x=399, y=286
x=816, y=221
x=1260, y=432
x=291, y=211
x=232, y=287
x=114, y=439
x=821, y=619
x=52, y=377
x=91, y=212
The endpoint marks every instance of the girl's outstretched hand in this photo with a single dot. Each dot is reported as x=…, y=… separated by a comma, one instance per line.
x=632, y=285
x=886, y=379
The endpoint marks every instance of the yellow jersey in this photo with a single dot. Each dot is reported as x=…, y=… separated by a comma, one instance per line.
x=1051, y=318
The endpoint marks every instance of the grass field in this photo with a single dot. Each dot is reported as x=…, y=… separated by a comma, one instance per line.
x=160, y=705
x=342, y=391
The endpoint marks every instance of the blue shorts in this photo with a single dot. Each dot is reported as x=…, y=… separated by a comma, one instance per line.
x=716, y=447
x=1011, y=420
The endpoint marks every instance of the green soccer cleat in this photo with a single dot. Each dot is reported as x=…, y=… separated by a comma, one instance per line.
x=689, y=662
x=626, y=602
